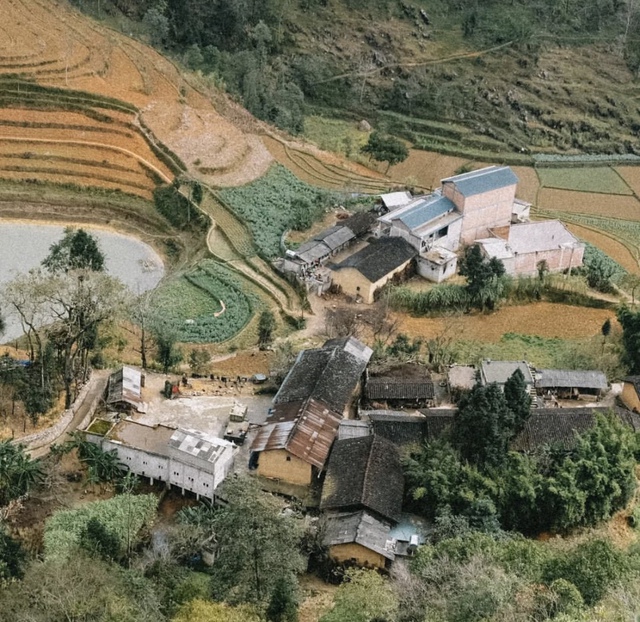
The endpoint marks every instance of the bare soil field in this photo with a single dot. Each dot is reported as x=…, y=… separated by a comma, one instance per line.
x=425, y=168
x=614, y=206
x=529, y=183
x=544, y=319
x=631, y=175
x=612, y=247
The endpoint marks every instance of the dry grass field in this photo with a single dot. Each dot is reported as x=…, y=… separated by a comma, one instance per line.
x=610, y=205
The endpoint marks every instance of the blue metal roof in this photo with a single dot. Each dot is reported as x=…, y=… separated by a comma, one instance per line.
x=425, y=210
x=483, y=180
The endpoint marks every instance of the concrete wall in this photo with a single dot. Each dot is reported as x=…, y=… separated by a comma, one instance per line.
x=482, y=212
x=558, y=259
x=433, y=272
x=629, y=397
x=350, y=279
x=280, y=464
x=362, y=556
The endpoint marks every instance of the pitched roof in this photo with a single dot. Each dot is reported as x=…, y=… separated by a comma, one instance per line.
x=351, y=345
x=364, y=473
x=379, y=258
x=501, y=371
x=359, y=528
x=312, y=250
x=386, y=388
x=592, y=379
x=423, y=210
x=202, y=446
x=396, y=199
x=335, y=236
x=561, y=426
x=329, y=374
x=309, y=436
x=530, y=237
x=125, y=386
x=399, y=428
x=483, y=180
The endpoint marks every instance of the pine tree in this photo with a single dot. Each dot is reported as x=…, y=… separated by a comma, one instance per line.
x=283, y=605
x=518, y=400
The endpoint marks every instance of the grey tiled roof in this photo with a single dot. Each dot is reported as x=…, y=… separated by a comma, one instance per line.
x=383, y=388
x=359, y=528
x=501, y=371
x=571, y=379
x=335, y=237
x=380, y=258
x=483, y=180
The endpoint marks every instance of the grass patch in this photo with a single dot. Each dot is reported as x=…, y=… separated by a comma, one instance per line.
x=602, y=180
x=100, y=426
x=205, y=305
x=275, y=203
x=335, y=135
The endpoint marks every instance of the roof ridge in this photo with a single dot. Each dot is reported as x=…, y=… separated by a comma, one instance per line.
x=365, y=479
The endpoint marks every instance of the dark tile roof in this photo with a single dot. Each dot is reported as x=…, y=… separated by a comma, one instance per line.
x=364, y=473
x=483, y=180
x=351, y=345
x=309, y=435
x=564, y=378
x=560, y=426
x=401, y=429
x=359, y=528
x=328, y=374
x=335, y=236
x=379, y=258
x=385, y=388
x=360, y=223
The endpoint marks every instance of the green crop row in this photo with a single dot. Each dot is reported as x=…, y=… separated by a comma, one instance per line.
x=190, y=303
x=276, y=202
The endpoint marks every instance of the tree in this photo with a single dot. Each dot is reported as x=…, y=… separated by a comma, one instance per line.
x=385, y=149
x=283, y=604
x=630, y=322
x=18, y=473
x=599, y=272
x=485, y=284
x=205, y=611
x=363, y=597
x=168, y=352
x=102, y=466
x=196, y=192
x=257, y=545
x=483, y=425
x=77, y=250
x=157, y=26
x=516, y=394
x=97, y=540
x=199, y=361
x=266, y=326
x=12, y=558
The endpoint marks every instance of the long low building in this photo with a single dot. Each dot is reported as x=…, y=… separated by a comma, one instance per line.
x=189, y=459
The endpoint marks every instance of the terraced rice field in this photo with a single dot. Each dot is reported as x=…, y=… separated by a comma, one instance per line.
x=609, y=205
x=631, y=175
x=601, y=179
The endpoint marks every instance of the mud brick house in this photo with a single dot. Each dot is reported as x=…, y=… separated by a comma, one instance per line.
x=362, y=495
x=364, y=273
x=321, y=389
x=569, y=384
x=631, y=393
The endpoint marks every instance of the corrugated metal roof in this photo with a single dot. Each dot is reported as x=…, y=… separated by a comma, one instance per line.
x=483, y=180
x=571, y=379
x=125, y=386
x=360, y=528
x=396, y=199
x=424, y=210
x=309, y=437
x=351, y=345
x=546, y=235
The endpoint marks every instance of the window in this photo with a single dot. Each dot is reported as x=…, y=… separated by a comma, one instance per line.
x=289, y=457
x=443, y=232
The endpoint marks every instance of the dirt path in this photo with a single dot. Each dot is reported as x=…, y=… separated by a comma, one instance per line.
x=98, y=384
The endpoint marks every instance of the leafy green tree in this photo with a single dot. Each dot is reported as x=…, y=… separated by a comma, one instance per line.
x=385, y=149
x=630, y=322
x=600, y=269
x=593, y=567
x=485, y=283
x=12, y=558
x=199, y=361
x=97, y=540
x=483, y=425
x=157, y=26
x=206, y=611
x=196, y=193
x=266, y=326
x=168, y=354
x=18, y=473
x=77, y=250
x=283, y=604
x=257, y=545
x=364, y=596
x=516, y=394
x=102, y=466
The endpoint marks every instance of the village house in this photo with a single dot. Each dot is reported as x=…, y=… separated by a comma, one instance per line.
x=321, y=389
x=188, y=459
x=569, y=384
x=528, y=244
x=500, y=371
x=631, y=393
x=407, y=386
x=362, y=495
x=364, y=273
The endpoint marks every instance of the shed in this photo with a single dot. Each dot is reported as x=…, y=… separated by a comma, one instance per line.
x=400, y=389
x=358, y=538
x=570, y=384
x=500, y=371
x=124, y=390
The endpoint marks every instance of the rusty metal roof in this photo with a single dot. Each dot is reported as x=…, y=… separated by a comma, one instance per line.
x=309, y=436
x=124, y=386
